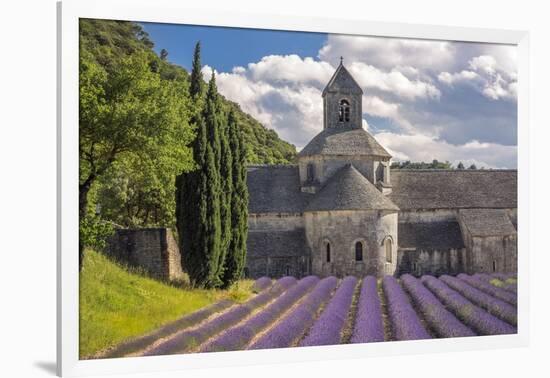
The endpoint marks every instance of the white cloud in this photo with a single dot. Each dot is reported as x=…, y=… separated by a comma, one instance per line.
x=388, y=52
x=424, y=148
x=377, y=107
x=487, y=76
x=458, y=77
x=484, y=63
x=393, y=82
x=290, y=70
x=294, y=111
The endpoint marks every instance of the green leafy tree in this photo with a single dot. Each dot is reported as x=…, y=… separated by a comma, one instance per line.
x=236, y=252
x=126, y=108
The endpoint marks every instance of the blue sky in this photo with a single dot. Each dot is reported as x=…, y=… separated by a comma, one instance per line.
x=423, y=100
x=225, y=48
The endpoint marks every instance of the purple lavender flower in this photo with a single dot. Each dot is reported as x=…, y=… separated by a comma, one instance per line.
x=369, y=326
x=492, y=290
x=261, y=284
x=296, y=323
x=404, y=322
x=442, y=321
x=190, y=339
x=327, y=330
x=238, y=337
x=479, y=320
x=494, y=306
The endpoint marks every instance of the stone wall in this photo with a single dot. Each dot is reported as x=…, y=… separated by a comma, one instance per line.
x=493, y=254
x=275, y=221
x=154, y=250
x=327, y=166
x=435, y=262
x=343, y=229
x=331, y=107
x=278, y=266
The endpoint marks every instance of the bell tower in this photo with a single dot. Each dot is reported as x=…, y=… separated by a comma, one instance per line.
x=342, y=106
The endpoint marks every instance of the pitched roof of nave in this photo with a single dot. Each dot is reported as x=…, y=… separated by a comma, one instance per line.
x=344, y=141
x=276, y=189
x=487, y=222
x=453, y=189
x=348, y=189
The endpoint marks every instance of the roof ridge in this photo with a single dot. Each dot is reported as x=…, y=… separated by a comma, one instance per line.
x=271, y=165
x=453, y=170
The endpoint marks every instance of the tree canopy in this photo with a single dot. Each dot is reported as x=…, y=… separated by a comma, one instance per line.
x=136, y=126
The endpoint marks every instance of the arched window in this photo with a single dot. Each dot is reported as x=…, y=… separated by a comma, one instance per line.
x=328, y=252
x=387, y=245
x=358, y=251
x=310, y=172
x=380, y=172
x=494, y=266
x=344, y=111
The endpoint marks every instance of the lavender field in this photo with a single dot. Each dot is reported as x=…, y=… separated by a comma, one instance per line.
x=313, y=311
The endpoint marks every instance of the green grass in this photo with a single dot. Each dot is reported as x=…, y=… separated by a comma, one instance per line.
x=499, y=283
x=117, y=303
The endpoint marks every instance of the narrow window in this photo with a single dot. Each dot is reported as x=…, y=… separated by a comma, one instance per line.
x=387, y=244
x=310, y=172
x=287, y=270
x=358, y=251
x=344, y=111
x=414, y=267
x=246, y=272
x=328, y=252
x=494, y=266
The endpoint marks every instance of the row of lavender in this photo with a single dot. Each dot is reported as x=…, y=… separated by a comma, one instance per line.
x=316, y=311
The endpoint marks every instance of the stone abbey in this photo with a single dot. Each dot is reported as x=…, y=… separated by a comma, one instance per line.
x=342, y=211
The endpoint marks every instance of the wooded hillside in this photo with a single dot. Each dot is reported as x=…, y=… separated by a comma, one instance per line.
x=135, y=129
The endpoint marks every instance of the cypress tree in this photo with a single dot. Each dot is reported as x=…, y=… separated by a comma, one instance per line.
x=186, y=185
x=226, y=177
x=196, y=87
x=236, y=254
x=198, y=193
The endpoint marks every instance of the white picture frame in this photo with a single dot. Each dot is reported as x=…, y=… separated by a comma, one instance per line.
x=173, y=11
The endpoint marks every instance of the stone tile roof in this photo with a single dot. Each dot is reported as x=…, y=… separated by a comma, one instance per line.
x=344, y=141
x=277, y=243
x=487, y=222
x=441, y=235
x=348, y=189
x=342, y=81
x=275, y=189
x=454, y=189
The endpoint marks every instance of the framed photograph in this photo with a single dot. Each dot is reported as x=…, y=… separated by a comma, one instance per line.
x=239, y=189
